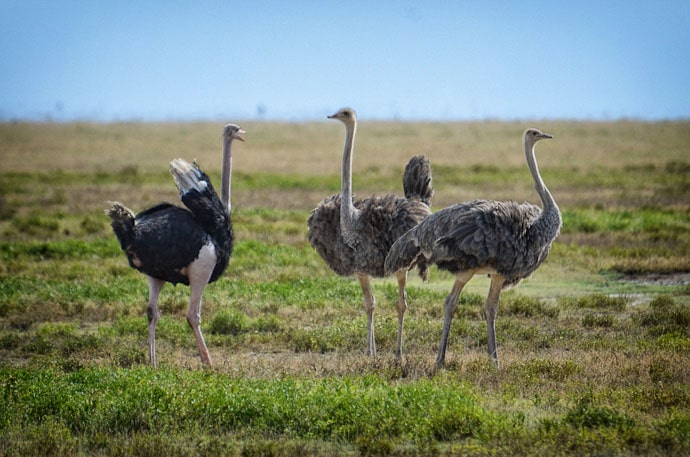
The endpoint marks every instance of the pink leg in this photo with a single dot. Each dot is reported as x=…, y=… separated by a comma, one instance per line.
x=155, y=286
x=402, y=307
x=200, y=272
x=369, y=305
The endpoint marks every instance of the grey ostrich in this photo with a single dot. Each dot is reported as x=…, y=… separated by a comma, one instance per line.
x=354, y=237
x=506, y=240
x=172, y=244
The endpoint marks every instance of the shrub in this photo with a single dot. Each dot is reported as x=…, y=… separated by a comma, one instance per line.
x=229, y=323
x=588, y=415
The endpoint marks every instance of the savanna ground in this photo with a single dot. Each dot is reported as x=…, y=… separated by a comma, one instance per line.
x=594, y=349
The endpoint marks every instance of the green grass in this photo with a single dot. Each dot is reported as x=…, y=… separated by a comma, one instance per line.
x=368, y=414
x=593, y=348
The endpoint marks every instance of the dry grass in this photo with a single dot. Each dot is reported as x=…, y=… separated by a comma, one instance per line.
x=588, y=362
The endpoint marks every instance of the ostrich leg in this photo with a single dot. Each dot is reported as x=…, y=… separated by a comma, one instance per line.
x=490, y=311
x=402, y=307
x=450, y=306
x=200, y=272
x=369, y=305
x=155, y=286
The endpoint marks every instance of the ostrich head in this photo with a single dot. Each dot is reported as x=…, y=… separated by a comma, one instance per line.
x=233, y=132
x=534, y=135
x=345, y=115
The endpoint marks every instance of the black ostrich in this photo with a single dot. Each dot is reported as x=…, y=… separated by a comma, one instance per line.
x=177, y=245
x=353, y=237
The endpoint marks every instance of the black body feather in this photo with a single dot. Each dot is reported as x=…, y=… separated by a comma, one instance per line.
x=161, y=241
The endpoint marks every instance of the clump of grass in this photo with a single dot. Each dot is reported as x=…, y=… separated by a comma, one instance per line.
x=664, y=316
x=91, y=225
x=314, y=340
x=63, y=249
x=596, y=301
x=678, y=167
x=57, y=329
x=521, y=305
x=592, y=320
x=38, y=226
x=229, y=322
x=49, y=438
x=667, y=370
x=588, y=414
x=539, y=369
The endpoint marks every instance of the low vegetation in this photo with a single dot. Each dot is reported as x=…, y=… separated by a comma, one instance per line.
x=594, y=348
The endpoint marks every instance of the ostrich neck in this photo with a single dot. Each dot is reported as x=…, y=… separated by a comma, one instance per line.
x=549, y=223
x=546, y=198
x=226, y=174
x=348, y=213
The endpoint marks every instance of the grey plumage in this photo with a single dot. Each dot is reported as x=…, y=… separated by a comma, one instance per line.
x=353, y=237
x=506, y=240
x=181, y=245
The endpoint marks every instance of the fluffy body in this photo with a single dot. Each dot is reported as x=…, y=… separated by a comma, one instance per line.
x=505, y=237
x=354, y=236
x=506, y=240
x=382, y=220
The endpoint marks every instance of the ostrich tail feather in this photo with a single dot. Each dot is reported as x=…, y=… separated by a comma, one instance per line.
x=417, y=179
x=119, y=213
x=199, y=196
x=188, y=176
x=122, y=222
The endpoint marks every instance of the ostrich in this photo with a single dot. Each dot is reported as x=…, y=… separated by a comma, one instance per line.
x=354, y=237
x=506, y=240
x=172, y=244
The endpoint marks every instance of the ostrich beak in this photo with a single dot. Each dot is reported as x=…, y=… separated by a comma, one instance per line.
x=239, y=133
x=546, y=135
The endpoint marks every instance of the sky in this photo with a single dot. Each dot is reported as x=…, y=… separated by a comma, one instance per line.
x=302, y=60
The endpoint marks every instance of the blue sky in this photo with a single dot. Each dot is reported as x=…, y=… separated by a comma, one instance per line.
x=302, y=60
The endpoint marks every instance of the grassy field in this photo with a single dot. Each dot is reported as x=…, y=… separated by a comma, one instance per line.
x=595, y=348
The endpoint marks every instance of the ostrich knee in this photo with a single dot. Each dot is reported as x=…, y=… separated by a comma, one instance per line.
x=194, y=320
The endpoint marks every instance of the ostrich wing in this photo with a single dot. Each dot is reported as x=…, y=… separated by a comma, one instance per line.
x=485, y=233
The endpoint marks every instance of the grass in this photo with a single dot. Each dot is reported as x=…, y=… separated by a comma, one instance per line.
x=594, y=348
